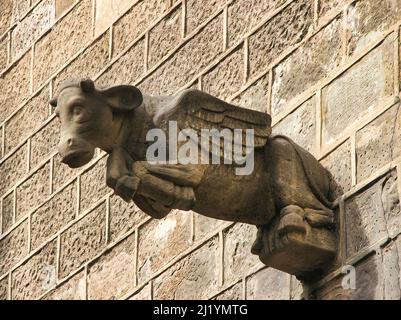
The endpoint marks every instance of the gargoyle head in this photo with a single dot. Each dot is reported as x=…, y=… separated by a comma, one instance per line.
x=88, y=118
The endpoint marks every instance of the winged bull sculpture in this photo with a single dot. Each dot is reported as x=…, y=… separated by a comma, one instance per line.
x=286, y=194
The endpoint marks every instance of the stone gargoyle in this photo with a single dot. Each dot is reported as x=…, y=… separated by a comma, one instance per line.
x=286, y=195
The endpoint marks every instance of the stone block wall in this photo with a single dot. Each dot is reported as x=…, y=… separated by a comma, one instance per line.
x=327, y=71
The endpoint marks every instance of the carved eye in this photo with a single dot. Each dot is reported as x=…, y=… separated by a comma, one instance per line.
x=77, y=111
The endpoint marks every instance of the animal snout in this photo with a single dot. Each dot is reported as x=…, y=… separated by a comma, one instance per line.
x=75, y=152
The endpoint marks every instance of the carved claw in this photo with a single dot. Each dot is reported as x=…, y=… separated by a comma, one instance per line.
x=126, y=187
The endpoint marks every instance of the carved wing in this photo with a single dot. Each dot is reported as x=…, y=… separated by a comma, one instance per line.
x=198, y=110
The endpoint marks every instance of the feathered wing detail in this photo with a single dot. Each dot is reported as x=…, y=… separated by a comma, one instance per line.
x=198, y=110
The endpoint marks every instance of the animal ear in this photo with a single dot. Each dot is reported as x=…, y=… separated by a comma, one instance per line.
x=53, y=102
x=123, y=98
x=87, y=85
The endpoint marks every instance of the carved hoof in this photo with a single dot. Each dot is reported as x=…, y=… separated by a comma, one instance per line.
x=185, y=198
x=126, y=187
x=291, y=220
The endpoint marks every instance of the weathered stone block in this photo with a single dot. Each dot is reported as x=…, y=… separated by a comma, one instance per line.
x=36, y=275
x=367, y=19
x=330, y=7
x=378, y=143
x=113, y=275
x=194, y=277
x=238, y=259
x=391, y=204
x=256, y=96
x=199, y=11
x=203, y=226
x=123, y=217
x=31, y=27
x=88, y=64
x=62, y=6
x=391, y=268
x=143, y=13
x=13, y=247
x=127, y=69
x=4, y=288
x=61, y=173
x=69, y=35
x=7, y=212
x=53, y=215
x=165, y=36
x=83, y=240
x=285, y=29
x=233, y=293
x=307, y=66
x=357, y=91
x=268, y=284
x=364, y=218
x=33, y=191
x=338, y=163
x=20, y=9
x=4, y=40
x=13, y=169
x=188, y=61
x=155, y=239
x=13, y=93
x=6, y=9
x=44, y=142
x=93, y=185
x=21, y=125
x=73, y=289
x=244, y=15
x=142, y=294
x=300, y=125
x=108, y=11
x=227, y=77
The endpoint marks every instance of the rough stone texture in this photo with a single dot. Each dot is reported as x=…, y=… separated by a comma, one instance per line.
x=165, y=36
x=378, y=142
x=93, y=185
x=368, y=19
x=199, y=11
x=6, y=9
x=338, y=163
x=61, y=173
x=4, y=40
x=73, y=289
x=127, y=69
x=244, y=15
x=330, y=7
x=299, y=71
x=284, y=30
x=357, y=91
x=20, y=9
x=88, y=64
x=256, y=96
x=268, y=284
x=234, y=293
x=83, y=240
x=13, y=169
x=108, y=11
x=44, y=143
x=123, y=217
x=300, y=125
x=33, y=191
x=365, y=218
x=136, y=21
x=391, y=204
x=13, y=93
x=13, y=247
x=187, y=62
x=154, y=242
x=36, y=275
x=204, y=226
x=113, y=275
x=53, y=215
x=31, y=27
x=194, y=277
x=63, y=41
x=391, y=267
x=238, y=259
x=21, y=125
x=4, y=288
x=62, y=6
x=7, y=212
x=227, y=77
x=142, y=294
